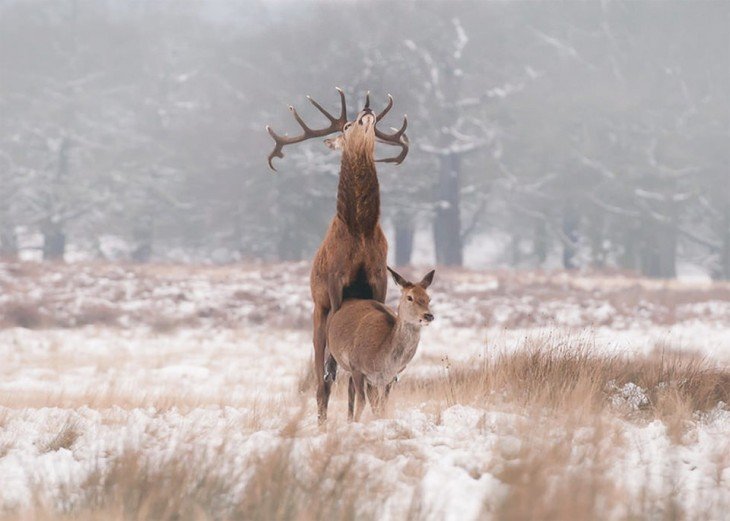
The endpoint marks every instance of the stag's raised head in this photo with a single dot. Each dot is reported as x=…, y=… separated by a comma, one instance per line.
x=413, y=307
x=354, y=137
x=357, y=136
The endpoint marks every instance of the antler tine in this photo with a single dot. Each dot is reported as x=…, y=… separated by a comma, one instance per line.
x=277, y=149
x=398, y=138
x=386, y=109
x=393, y=137
x=400, y=157
x=343, y=111
x=367, y=101
x=301, y=122
x=336, y=125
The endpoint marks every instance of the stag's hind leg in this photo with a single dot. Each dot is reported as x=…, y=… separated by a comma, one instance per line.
x=330, y=369
x=320, y=343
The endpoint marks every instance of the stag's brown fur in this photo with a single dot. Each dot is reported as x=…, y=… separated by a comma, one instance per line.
x=374, y=344
x=351, y=261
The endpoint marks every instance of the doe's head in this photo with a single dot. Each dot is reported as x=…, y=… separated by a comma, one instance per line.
x=414, y=304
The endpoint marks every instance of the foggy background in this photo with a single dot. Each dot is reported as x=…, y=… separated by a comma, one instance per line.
x=542, y=134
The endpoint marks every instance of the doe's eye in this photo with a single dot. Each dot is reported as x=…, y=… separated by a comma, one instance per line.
x=410, y=299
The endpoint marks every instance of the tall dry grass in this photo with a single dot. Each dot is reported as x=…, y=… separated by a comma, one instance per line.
x=276, y=484
x=568, y=378
x=573, y=408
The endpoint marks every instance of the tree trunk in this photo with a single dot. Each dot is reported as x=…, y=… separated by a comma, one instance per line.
x=628, y=235
x=54, y=243
x=8, y=243
x=570, y=239
x=668, y=258
x=515, y=250
x=649, y=254
x=596, y=233
x=725, y=252
x=540, y=242
x=142, y=234
x=404, y=235
x=447, y=224
x=659, y=248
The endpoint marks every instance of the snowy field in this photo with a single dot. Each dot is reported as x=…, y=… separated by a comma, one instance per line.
x=179, y=392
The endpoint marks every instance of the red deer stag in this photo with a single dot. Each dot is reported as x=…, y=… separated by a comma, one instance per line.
x=351, y=261
x=374, y=344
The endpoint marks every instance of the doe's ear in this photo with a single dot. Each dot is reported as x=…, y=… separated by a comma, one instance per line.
x=427, y=279
x=334, y=143
x=403, y=283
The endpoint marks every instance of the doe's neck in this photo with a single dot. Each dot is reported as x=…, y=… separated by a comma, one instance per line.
x=404, y=341
x=406, y=331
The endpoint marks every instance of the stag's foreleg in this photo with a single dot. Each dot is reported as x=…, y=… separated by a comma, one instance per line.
x=334, y=289
x=320, y=344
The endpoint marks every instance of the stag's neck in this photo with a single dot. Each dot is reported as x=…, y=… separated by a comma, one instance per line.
x=404, y=342
x=358, y=194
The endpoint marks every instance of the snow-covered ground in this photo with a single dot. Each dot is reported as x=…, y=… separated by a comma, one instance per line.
x=200, y=375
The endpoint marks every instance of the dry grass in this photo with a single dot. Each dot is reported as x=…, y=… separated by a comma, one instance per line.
x=278, y=295
x=326, y=484
x=546, y=485
x=571, y=433
x=567, y=378
x=549, y=482
x=97, y=313
x=127, y=399
x=25, y=314
x=65, y=438
x=574, y=402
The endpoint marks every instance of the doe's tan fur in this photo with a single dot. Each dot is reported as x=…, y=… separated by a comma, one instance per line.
x=374, y=344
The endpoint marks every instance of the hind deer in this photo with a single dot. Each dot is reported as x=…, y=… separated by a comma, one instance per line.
x=374, y=344
x=351, y=261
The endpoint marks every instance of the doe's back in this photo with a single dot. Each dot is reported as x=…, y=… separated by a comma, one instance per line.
x=358, y=332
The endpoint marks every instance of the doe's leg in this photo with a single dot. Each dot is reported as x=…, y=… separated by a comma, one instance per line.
x=360, y=390
x=375, y=399
x=386, y=393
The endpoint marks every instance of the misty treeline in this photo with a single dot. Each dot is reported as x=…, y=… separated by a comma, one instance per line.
x=594, y=133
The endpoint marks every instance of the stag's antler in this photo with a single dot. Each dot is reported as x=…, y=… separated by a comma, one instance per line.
x=398, y=138
x=336, y=125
